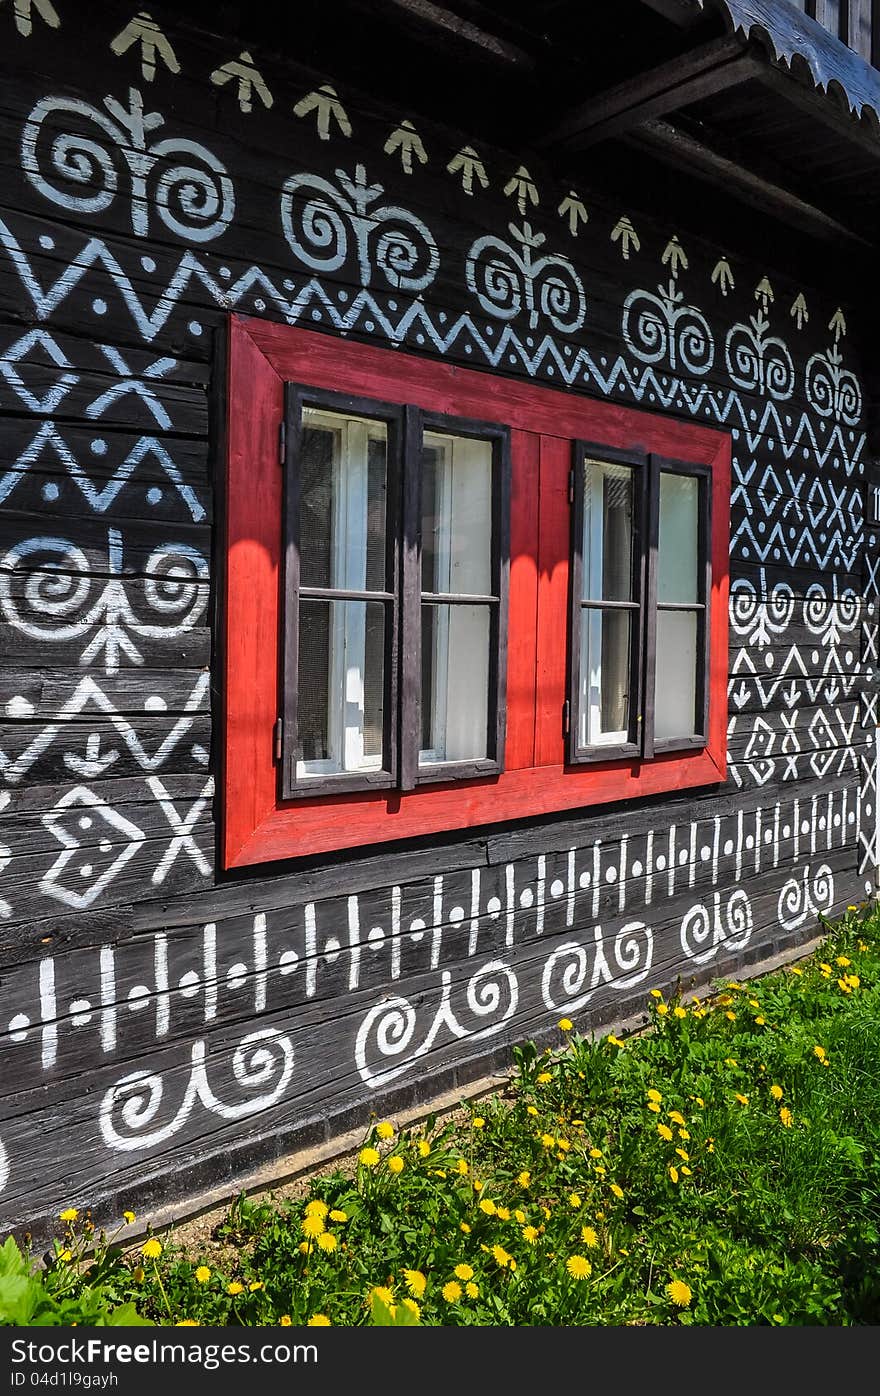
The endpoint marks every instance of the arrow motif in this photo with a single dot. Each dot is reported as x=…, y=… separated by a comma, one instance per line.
x=249, y=81
x=740, y=695
x=406, y=139
x=675, y=255
x=23, y=15
x=468, y=161
x=799, y=310
x=523, y=186
x=144, y=30
x=624, y=233
x=328, y=107
x=722, y=276
x=573, y=207
x=764, y=292
x=838, y=324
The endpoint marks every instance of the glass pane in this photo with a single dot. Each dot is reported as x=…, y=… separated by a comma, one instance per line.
x=455, y=682
x=340, y=687
x=603, y=708
x=456, y=515
x=675, y=691
x=343, y=485
x=679, y=535
x=608, y=532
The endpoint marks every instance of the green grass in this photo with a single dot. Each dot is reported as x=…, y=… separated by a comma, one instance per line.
x=720, y=1167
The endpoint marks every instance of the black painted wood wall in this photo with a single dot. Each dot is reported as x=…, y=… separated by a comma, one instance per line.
x=163, y=1027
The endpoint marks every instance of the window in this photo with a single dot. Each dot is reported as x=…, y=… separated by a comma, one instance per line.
x=641, y=579
x=396, y=525
x=427, y=628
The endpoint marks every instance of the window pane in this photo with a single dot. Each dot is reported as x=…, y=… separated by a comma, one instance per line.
x=343, y=484
x=341, y=686
x=455, y=683
x=608, y=532
x=679, y=535
x=676, y=680
x=603, y=709
x=456, y=515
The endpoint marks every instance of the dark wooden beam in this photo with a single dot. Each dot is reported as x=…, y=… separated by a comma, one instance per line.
x=482, y=39
x=702, y=72
x=683, y=13
x=686, y=152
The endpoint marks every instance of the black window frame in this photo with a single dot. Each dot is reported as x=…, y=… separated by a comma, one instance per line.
x=641, y=743
x=406, y=425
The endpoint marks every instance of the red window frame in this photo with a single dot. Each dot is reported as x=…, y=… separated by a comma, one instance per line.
x=258, y=825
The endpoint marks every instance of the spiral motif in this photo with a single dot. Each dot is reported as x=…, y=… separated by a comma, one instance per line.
x=204, y=198
x=562, y=299
x=822, y=889
x=405, y=265
x=633, y=953
x=849, y=398
x=321, y=240
x=572, y=965
x=832, y=390
x=738, y=916
x=696, y=348
x=825, y=616
x=387, y=1030
x=758, y=364
x=794, y=903
x=56, y=585
x=499, y=288
x=175, y=574
x=130, y=1107
x=262, y=1061
x=487, y=991
x=650, y=340
x=697, y=933
x=754, y=617
x=73, y=158
x=744, y=605
x=779, y=372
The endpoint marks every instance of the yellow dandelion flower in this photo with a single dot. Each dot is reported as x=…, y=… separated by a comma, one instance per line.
x=700, y=1101
x=656, y=994
x=65, y=1255
x=441, y=1173
x=615, y=1041
x=285, y=1321
x=466, y=1228
x=338, y=1215
x=462, y=1167
x=524, y=1179
x=578, y=1267
x=617, y=1190
x=786, y=1117
x=257, y=1285
x=152, y=1249
x=328, y=1242
x=730, y=1061
x=520, y=1216
x=530, y=1234
x=202, y=1274
x=842, y=960
x=563, y=1144
x=369, y=1157
x=531, y=1109
x=683, y=1153
x=424, y=1148
x=652, y=1105
x=478, y=1122
x=502, y=1213
x=662, y=1009
x=730, y=1015
x=235, y=1287
x=316, y=1208
x=654, y=1094
x=760, y=1022
x=502, y=1257
x=471, y=1290
x=138, y=1274
x=664, y=1131
x=679, y=1012
x=574, y=1200
x=673, y=1172
x=416, y=1282
x=683, y=1134
x=543, y=1078
x=69, y=1214
x=319, y=1321
x=565, y=1025
x=595, y=1153
x=487, y=1206
x=843, y=985
x=382, y=1292
x=304, y=1247
x=679, y=1293
x=313, y=1226
x=187, y=1323
x=743, y=1099
x=793, y=969
x=853, y=981
x=776, y=1092
x=128, y=1217
x=685, y=1170
x=385, y=1130
x=451, y=1291
x=548, y=1141
x=820, y=1053
x=395, y=1164
x=676, y=1117
x=412, y=1306
x=826, y=969
x=589, y=1237
x=600, y=1170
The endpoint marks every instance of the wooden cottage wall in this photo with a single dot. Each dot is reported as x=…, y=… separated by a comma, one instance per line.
x=163, y=1027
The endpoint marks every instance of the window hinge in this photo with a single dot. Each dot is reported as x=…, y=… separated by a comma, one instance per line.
x=571, y=486
x=282, y=442
x=278, y=733
x=566, y=717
